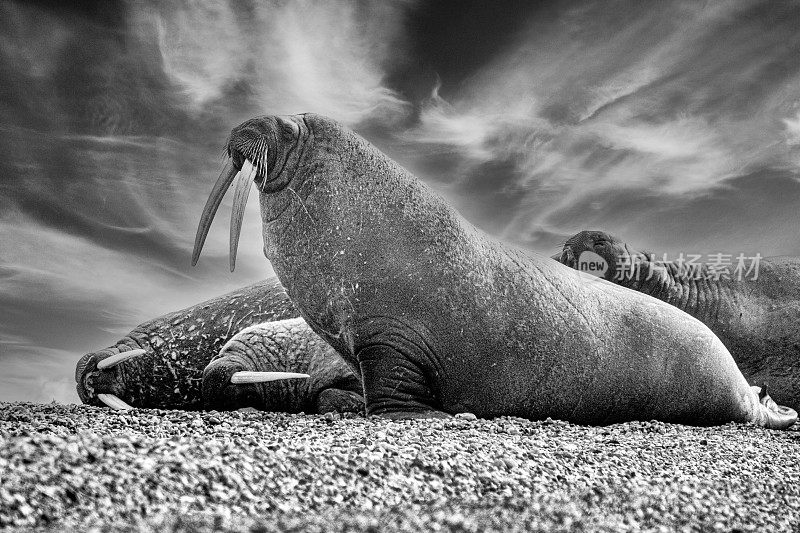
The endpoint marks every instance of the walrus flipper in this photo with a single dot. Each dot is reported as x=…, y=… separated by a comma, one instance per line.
x=775, y=416
x=394, y=386
x=339, y=401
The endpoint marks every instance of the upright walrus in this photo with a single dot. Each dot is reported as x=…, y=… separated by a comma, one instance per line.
x=440, y=319
x=755, y=314
x=162, y=363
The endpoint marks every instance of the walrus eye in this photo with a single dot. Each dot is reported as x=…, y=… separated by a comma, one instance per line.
x=600, y=244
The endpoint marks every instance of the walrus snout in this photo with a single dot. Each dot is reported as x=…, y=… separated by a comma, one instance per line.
x=98, y=378
x=86, y=378
x=85, y=366
x=220, y=393
x=259, y=140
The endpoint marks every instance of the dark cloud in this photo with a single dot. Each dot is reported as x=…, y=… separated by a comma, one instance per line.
x=754, y=213
x=448, y=41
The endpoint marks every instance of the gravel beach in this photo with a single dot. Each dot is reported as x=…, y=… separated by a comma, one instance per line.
x=65, y=467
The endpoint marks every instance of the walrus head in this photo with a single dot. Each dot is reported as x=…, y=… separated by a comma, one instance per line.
x=228, y=383
x=610, y=249
x=262, y=368
x=101, y=378
x=258, y=150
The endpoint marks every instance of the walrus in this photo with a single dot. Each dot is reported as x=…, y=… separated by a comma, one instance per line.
x=233, y=379
x=755, y=315
x=160, y=363
x=441, y=319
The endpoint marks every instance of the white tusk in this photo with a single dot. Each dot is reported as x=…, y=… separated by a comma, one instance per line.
x=114, y=360
x=244, y=181
x=212, y=204
x=263, y=377
x=113, y=401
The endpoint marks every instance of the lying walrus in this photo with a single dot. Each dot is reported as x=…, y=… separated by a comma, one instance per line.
x=441, y=319
x=160, y=363
x=758, y=320
x=286, y=346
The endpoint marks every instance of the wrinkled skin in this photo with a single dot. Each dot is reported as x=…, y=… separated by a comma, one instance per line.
x=758, y=320
x=441, y=319
x=179, y=345
x=286, y=346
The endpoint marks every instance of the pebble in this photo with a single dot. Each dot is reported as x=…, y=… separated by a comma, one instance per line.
x=75, y=467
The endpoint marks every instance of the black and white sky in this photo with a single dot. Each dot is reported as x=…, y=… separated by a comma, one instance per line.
x=672, y=124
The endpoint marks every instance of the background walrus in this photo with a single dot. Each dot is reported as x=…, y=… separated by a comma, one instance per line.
x=758, y=320
x=441, y=319
x=170, y=354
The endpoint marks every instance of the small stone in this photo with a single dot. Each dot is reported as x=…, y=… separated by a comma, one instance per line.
x=466, y=416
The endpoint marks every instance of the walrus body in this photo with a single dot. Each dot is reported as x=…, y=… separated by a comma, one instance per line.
x=178, y=346
x=440, y=319
x=756, y=315
x=284, y=346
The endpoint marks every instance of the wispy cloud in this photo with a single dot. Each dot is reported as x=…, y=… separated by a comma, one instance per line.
x=677, y=99
x=792, y=129
x=294, y=57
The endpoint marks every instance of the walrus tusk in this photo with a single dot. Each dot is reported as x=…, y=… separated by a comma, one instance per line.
x=114, y=360
x=113, y=402
x=241, y=191
x=263, y=377
x=212, y=204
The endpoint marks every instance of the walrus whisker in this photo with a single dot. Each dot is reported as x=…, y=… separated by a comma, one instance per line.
x=263, y=163
x=241, y=191
x=212, y=204
x=113, y=402
x=263, y=377
x=256, y=154
x=114, y=360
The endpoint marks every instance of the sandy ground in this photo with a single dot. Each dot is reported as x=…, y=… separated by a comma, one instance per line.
x=66, y=467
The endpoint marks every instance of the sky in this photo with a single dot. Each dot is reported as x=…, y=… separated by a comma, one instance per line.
x=672, y=124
